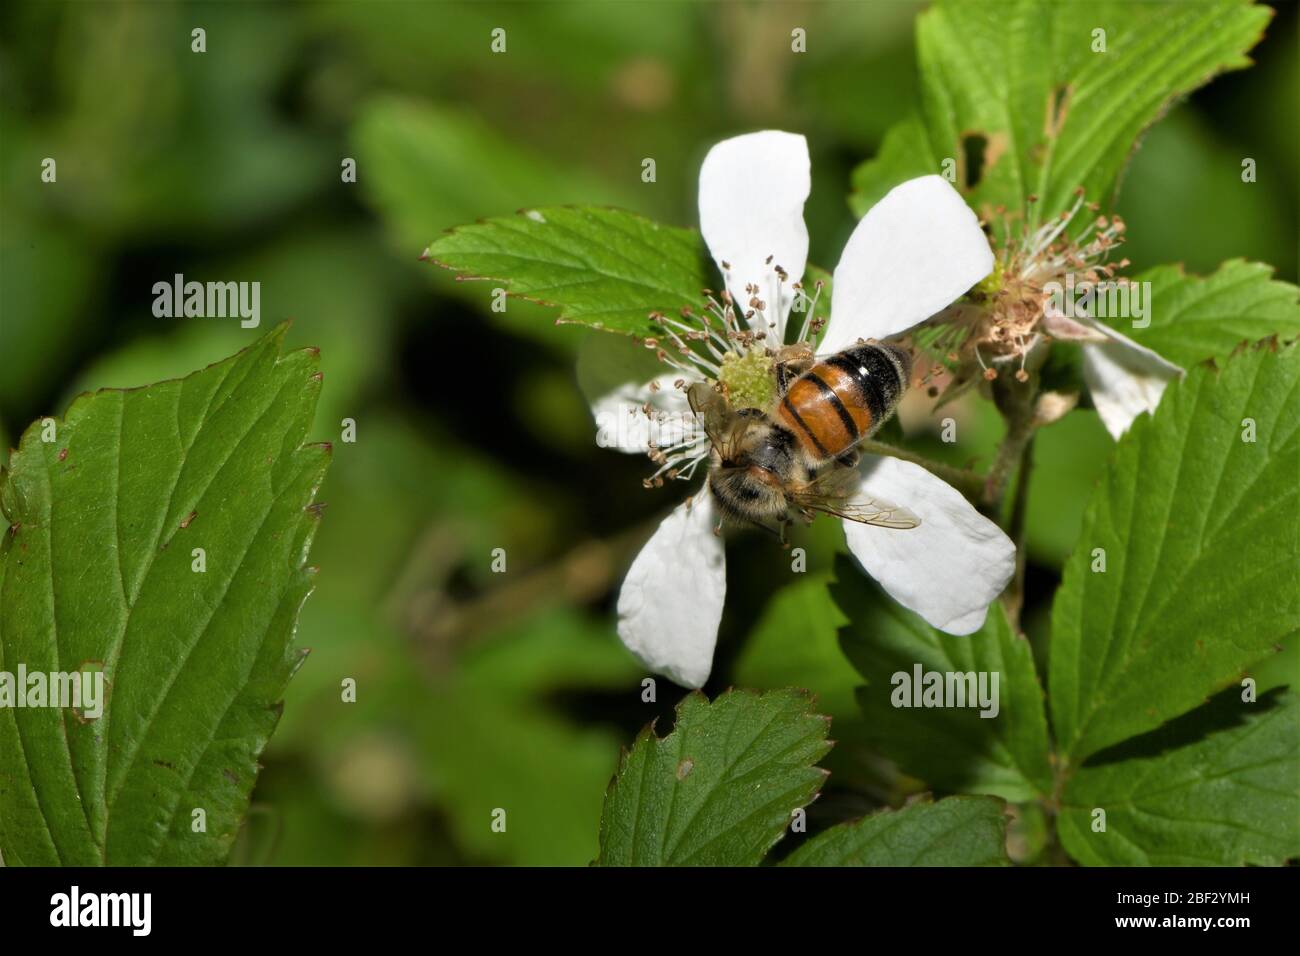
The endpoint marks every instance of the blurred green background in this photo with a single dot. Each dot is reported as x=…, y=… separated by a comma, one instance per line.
x=478, y=690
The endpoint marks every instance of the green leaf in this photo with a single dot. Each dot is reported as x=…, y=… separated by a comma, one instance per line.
x=97, y=570
x=325, y=304
x=1229, y=798
x=950, y=748
x=429, y=167
x=601, y=267
x=720, y=789
x=255, y=161
x=1198, y=317
x=609, y=362
x=1179, y=205
x=905, y=153
x=411, y=499
x=1069, y=459
x=511, y=748
x=1200, y=532
x=794, y=643
x=958, y=831
x=48, y=277
x=1015, y=94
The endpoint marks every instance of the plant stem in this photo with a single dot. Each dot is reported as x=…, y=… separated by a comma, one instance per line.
x=1020, y=432
x=440, y=624
x=1016, y=401
x=1015, y=595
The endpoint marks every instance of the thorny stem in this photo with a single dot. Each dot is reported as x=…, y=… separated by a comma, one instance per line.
x=969, y=483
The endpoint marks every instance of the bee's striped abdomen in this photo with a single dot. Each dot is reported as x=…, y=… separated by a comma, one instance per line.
x=845, y=398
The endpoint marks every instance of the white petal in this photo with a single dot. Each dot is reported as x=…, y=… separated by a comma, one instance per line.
x=1060, y=326
x=913, y=254
x=622, y=423
x=671, y=603
x=949, y=568
x=752, y=191
x=1125, y=379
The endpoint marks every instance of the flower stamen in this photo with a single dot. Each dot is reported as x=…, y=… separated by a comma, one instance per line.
x=731, y=350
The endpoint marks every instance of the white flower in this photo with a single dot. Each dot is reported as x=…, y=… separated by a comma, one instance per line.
x=916, y=251
x=1124, y=378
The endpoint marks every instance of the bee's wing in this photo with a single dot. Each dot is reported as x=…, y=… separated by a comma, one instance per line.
x=864, y=510
x=723, y=426
x=834, y=492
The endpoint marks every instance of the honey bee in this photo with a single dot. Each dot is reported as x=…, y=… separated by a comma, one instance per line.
x=799, y=456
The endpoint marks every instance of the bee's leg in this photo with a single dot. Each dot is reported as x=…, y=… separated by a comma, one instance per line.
x=850, y=458
x=778, y=532
x=792, y=361
x=784, y=376
x=785, y=523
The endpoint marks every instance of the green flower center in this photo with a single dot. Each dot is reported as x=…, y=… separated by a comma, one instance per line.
x=749, y=379
x=992, y=283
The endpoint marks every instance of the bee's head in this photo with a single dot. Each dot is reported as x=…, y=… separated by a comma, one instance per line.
x=750, y=483
x=747, y=493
